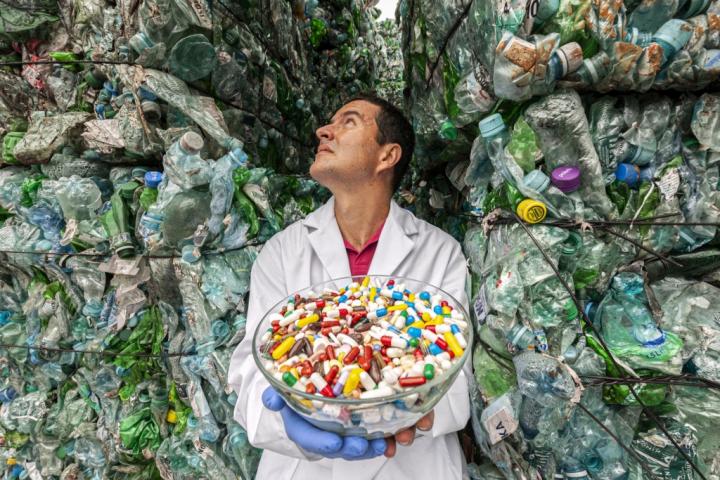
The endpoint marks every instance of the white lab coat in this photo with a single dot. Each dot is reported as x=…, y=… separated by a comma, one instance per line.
x=311, y=251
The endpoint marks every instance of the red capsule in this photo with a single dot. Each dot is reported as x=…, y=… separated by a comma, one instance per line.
x=310, y=388
x=330, y=352
x=330, y=323
x=345, y=330
x=411, y=381
x=327, y=392
x=431, y=328
x=364, y=363
x=383, y=351
x=275, y=328
x=306, y=370
x=390, y=283
x=356, y=317
x=368, y=351
x=387, y=359
x=332, y=373
x=418, y=355
x=326, y=331
x=343, y=312
x=320, y=304
x=352, y=355
x=441, y=343
x=443, y=303
x=322, y=357
x=386, y=340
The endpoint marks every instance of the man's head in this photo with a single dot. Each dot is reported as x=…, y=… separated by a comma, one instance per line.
x=368, y=142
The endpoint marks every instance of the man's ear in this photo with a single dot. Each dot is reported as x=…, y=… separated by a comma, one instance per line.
x=390, y=155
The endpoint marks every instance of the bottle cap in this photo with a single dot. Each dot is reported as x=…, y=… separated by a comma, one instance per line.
x=448, y=131
x=590, y=310
x=492, y=125
x=627, y=173
x=571, y=311
x=532, y=211
x=675, y=32
x=191, y=142
x=536, y=180
x=171, y=416
x=153, y=179
x=566, y=179
x=641, y=156
x=151, y=110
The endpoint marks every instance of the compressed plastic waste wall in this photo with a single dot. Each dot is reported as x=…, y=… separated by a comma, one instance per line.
x=570, y=145
x=149, y=149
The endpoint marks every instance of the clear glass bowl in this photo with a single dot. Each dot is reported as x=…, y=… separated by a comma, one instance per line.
x=369, y=418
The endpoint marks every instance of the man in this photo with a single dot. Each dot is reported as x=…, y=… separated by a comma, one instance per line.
x=362, y=156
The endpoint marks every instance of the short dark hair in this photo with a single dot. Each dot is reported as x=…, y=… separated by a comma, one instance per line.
x=393, y=127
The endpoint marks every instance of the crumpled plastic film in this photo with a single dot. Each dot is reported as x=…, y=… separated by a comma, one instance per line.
x=140, y=176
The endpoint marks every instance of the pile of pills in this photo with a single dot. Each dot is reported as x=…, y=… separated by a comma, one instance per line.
x=367, y=340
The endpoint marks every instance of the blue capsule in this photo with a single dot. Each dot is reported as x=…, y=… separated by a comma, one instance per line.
x=434, y=349
x=343, y=298
x=454, y=328
x=438, y=310
x=409, y=320
x=424, y=296
x=414, y=332
x=397, y=295
x=381, y=312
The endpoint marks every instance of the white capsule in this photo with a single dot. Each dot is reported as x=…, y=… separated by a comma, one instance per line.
x=389, y=375
x=442, y=328
x=420, y=307
x=310, y=306
x=356, y=303
x=377, y=393
x=367, y=382
x=445, y=364
x=320, y=344
x=394, y=352
x=461, y=340
x=443, y=356
x=386, y=292
x=398, y=320
x=429, y=335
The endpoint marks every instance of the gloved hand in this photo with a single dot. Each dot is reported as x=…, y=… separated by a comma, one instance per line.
x=314, y=440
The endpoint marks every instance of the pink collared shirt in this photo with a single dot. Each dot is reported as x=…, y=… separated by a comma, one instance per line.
x=360, y=261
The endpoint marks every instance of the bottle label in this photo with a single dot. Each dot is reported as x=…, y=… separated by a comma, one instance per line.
x=499, y=420
x=480, y=306
x=669, y=184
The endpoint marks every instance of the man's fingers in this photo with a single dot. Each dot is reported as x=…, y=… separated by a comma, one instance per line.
x=391, y=447
x=308, y=436
x=426, y=422
x=272, y=400
x=405, y=437
x=354, y=448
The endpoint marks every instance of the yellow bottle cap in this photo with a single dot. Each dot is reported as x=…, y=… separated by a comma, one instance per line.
x=171, y=416
x=11, y=461
x=531, y=210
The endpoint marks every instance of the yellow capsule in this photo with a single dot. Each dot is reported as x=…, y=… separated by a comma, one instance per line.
x=453, y=344
x=373, y=294
x=277, y=337
x=283, y=348
x=310, y=338
x=352, y=382
x=340, y=356
x=308, y=320
x=284, y=368
x=397, y=308
x=417, y=324
x=411, y=297
x=446, y=310
x=11, y=461
x=426, y=317
x=365, y=282
x=295, y=372
x=306, y=402
x=171, y=416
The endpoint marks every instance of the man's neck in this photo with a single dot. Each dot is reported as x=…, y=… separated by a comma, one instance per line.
x=359, y=217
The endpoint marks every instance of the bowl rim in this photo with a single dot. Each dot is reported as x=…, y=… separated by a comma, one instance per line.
x=281, y=387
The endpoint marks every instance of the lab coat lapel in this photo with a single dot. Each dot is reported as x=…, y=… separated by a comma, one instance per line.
x=395, y=243
x=327, y=241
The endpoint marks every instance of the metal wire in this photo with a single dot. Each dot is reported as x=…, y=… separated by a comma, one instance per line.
x=620, y=369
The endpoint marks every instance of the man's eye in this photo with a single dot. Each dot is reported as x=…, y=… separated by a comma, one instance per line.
x=350, y=121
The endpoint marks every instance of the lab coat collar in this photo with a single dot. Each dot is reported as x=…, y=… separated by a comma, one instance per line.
x=396, y=240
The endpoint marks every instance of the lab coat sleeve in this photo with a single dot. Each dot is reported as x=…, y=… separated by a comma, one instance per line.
x=452, y=412
x=264, y=427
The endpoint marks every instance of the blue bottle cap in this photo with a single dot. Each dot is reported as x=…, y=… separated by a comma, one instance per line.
x=492, y=125
x=153, y=179
x=536, y=180
x=627, y=173
x=589, y=310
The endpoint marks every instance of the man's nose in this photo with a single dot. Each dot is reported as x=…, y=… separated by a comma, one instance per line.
x=325, y=133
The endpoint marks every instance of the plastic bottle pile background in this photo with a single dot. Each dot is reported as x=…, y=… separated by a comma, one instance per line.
x=223, y=97
x=636, y=244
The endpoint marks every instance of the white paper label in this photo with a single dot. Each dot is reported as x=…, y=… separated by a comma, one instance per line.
x=500, y=424
x=669, y=184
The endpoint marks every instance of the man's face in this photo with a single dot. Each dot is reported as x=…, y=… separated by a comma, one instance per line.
x=348, y=152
